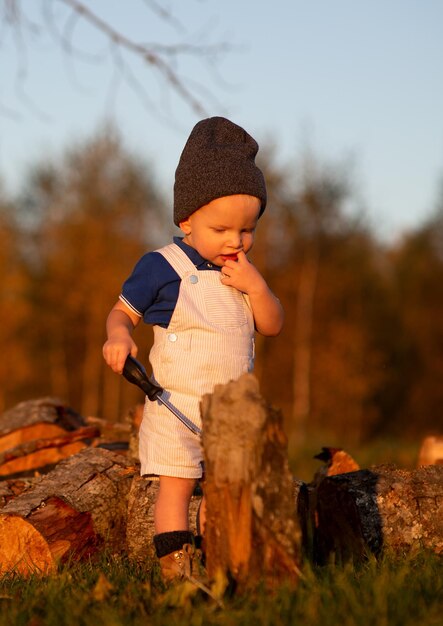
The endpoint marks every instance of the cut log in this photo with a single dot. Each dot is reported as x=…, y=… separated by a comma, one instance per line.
x=37, y=434
x=37, y=419
x=23, y=550
x=71, y=511
x=337, y=461
x=431, y=451
x=251, y=533
x=381, y=509
x=111, y=431
x=53, y=533
x=135, y=418
x=10, y=489
x=40, y=453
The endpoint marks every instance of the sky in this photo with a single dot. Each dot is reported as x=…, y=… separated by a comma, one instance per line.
x=352, y=81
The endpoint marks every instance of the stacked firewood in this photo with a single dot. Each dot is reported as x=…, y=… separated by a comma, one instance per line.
x=64, y=484
x=70, y=486
x=37, y=434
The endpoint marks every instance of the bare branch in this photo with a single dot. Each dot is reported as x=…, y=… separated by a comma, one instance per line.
x=164, y=14
x=125, y=73
x=66, y=37
x=160, y=57
x=6, y=112
x=151, y=57
x=22, y=71
x=11, y=10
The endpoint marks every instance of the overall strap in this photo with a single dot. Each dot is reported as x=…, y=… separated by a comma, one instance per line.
x=178, y=259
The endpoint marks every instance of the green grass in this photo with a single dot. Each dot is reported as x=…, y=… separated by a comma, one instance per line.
x=113, y=592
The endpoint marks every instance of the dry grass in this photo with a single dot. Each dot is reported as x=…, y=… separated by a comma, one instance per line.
x=403, y=591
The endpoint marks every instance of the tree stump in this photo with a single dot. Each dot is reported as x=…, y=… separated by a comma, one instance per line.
x=69, y=513
x=251, y=532
x=379, y=509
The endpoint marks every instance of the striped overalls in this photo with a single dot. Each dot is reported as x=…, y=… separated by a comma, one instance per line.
x=209, y=341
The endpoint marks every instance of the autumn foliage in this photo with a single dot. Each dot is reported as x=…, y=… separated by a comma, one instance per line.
x=361, y=353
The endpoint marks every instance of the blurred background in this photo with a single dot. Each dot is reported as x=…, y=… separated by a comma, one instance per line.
x=345, y=99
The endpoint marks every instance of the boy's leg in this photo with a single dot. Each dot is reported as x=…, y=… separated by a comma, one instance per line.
x=173, y=540
x=172, y=505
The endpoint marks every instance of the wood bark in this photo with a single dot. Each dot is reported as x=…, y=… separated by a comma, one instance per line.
x=37, y=434
x=67, y=514
x=256, y=510
x=43, y=452
x=378, y=509
x=251, y=532
x=32, y=419
x=10, y=489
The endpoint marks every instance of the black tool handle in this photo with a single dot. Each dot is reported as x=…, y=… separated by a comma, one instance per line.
x=135, y=373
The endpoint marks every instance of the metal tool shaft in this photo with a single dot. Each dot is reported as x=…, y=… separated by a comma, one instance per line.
x=135, y=373
x=184, y=420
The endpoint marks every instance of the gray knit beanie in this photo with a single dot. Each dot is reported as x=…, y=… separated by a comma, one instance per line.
x=218, y=160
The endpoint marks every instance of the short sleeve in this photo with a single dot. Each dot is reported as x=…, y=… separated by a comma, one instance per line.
x=141, y=288
x=151, y=291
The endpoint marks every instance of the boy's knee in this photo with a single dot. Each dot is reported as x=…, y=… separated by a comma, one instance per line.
x=181, y=487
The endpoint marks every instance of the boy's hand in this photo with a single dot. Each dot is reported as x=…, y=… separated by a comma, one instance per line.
x=242, y=275
x=115, y=351
x=266, y=308
x=119, y=326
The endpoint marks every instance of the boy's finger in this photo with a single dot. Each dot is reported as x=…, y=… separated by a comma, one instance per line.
x=122, y=360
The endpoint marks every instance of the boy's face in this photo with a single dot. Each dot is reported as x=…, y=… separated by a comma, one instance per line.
x=220, y=229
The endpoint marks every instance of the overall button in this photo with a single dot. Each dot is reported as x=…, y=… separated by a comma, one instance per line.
x=193, y=279
x=172, y=337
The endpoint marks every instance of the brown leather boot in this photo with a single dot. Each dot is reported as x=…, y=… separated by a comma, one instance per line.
x=183, y=564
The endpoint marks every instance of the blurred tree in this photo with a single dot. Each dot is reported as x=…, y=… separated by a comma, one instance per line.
x=319, y=207
x=15, y=367
x=418, y=266
x=273, y=241
x=328, y=365
x=350, y=365
x=361, y=350
x=89, y=219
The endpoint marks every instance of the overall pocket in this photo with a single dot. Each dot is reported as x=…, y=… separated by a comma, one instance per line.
x=225, y=306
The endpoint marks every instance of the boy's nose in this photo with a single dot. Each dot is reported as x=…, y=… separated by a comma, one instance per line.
x=235, y=240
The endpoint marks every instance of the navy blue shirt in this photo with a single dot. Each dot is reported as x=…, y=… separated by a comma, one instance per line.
x=152, y=289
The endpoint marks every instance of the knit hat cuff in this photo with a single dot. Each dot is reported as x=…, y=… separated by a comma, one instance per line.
x=215, y=183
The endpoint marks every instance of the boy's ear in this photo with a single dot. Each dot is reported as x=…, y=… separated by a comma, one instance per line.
x=185, y=226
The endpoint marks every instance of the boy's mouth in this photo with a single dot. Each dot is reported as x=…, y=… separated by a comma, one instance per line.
x=229, y=257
